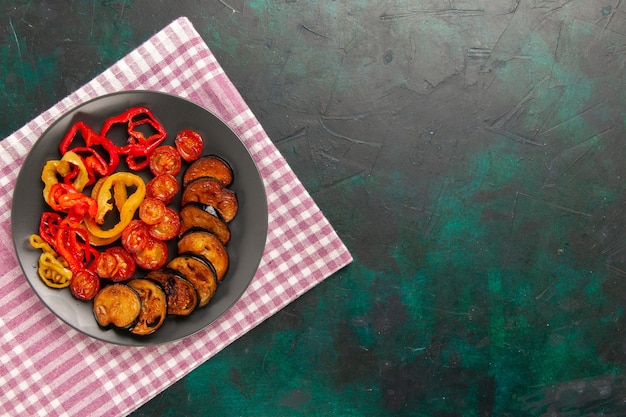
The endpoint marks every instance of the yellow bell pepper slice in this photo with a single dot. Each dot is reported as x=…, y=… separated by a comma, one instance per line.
x=108, y=191
x=55, y=168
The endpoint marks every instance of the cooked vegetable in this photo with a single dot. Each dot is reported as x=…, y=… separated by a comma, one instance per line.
x=208, y=246
x=52, y=268
x=189, y=144
x=182, y=297
x=70, y=167
x=195, y=215
x=85, y=285
x=210, y=192
x=163, y=187
x=165, y=160
x=168, y=227
x=73, y=245
x=209, y=166
x=118, y=305
x=115, y=264
x=67, y=199
x=199, y=272
x=153, y=255
x=137, y=121
x=151, y=210
x=99, y=154
x=127, y=212
x=153, y=306
x=135, y=236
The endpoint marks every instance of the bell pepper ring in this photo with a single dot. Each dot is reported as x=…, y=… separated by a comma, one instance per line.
x=139, y=146
x=95, y=162
x=128, y=208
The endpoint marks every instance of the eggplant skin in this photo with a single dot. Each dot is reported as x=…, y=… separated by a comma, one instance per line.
x=211, y=192
x=153, y=306
x=209, y=166
x=182, y=296
x=195, y=215
x=199, y=272
x=117, y=305
x=206, y=245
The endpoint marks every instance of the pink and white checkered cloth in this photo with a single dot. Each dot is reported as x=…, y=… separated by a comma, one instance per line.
x=49, y=369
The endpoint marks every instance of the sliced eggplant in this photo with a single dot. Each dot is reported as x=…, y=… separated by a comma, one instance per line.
x=153, y=306
x=199, y=272
x=182, y=297
x=208, y=246
x=117, y=305
x=195, y=215
x=211, y=192
x=209, y=166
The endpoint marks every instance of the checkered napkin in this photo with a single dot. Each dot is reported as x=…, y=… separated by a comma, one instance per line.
x=49, y=369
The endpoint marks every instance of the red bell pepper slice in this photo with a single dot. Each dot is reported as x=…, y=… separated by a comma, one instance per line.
x=102, y=164
x=49, y=227
x=72, y=244
x=65, y=198
x=138, y=147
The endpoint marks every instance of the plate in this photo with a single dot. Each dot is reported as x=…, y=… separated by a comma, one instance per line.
x=248, y=228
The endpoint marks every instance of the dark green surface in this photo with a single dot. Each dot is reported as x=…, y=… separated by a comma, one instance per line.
x=469, y=153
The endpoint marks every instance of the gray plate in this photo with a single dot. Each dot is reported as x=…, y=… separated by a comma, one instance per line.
x=249, y=228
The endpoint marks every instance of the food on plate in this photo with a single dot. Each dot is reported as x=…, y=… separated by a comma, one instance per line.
x=211, y=192
x=211, y=166
x=199, y=272
x=113, y=208
x=209, y=247
x=189, y=144
x=165, y=160
x=195, y=215
x=153, y=306
x=85, y=284
x=168, y=227
x=117, y=305
x=182, y=296
x=163, y=187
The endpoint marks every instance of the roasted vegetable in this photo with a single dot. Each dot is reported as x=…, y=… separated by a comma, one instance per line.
x=189, y=144
x=195, y=215
x=209, y=166
x=118, y=305
x=208, y=246
x=211, y=192
x=199, y=272
x=182, y=297
x=153, y=306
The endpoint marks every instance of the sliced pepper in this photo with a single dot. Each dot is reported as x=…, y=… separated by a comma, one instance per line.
x=65, y=198
x=103, y=198
x=70, y=167
x=72, y=243
x=95, y=162
x=49, y=227
x=52, y=268
x=138, y=147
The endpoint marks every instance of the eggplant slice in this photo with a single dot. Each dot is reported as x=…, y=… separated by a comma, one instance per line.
x=198, y=216
x=199, y=272
x=209, y=166
x=117, y=305
x=182, y=297
x=153, y=306
x=208, y=246
x=211, y=192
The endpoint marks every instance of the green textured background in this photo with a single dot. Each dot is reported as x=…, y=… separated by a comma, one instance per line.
x=469, y=153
